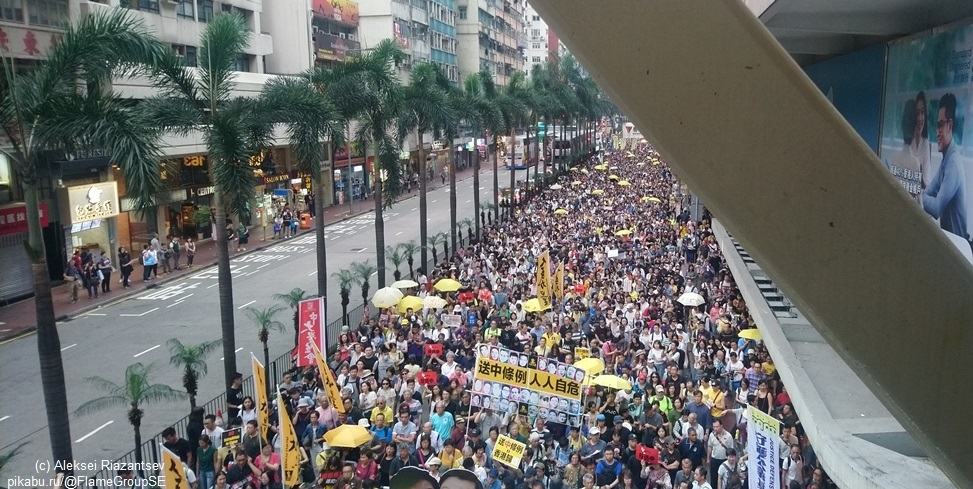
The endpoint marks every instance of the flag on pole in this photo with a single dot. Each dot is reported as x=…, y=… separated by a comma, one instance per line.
x=172, y=470
x=260, y=386
x=559, y=282
x=330, y=384
x=543, y=281
x=290, y=454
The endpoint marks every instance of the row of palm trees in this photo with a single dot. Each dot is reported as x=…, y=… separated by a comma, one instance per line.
x=47, y=110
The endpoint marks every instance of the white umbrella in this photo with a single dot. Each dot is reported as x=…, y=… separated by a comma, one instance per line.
x=691, y=299
x=404, y=284
x=386, y=297
x=433, y=302
x=556, y=187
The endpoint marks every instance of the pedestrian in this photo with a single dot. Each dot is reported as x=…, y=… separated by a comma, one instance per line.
x=105, y=268
x=125, y=260
x=148, y=263
x=73, y=275
x=190, y=251
x=286, y=218
x=176, y=250
x=92, y=278
x=243, y=235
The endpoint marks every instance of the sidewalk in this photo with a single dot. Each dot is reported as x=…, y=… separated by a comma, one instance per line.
x=19, y=319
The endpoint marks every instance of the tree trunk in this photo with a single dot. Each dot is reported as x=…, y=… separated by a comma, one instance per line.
x=225, y=280
x=379, y=220
x=267, y=383
x=317, y=183
x=345, y=300
x=423, y=205
x=496, y=172
x=513, y=171
x=397, y=274
x=48, y=341
x=412, y=273
x=537, y=145
x=138, y=446
x=476, y=183
x=452, y=198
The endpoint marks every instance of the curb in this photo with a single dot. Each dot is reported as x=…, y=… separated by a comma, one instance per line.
x=115, y=300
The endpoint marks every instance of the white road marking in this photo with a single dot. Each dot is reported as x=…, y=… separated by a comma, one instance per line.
x=179, y=301
x=146, y=351
x=5, y=417
x=398, y=233
x=214, y=285
x=95, y=314
x=437, y=200
x=361, y=250
x=467, y=202
x=414, y=209
x=245, y=305
x=373, y=274
x=334, y=238
x=312, y=273
x=237, y=351
x=69, y=346
x=85, y=437
x=482, y=188
x=138, y=315
x=5, y=330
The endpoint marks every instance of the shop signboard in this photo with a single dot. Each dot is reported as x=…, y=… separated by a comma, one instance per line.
x=13, y=218
x=344, y=11
x=88, y=202
x=334, y=47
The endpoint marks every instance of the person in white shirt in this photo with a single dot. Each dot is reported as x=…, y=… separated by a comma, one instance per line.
x=215, y=433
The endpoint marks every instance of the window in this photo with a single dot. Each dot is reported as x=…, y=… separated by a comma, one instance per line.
x=535, y=33
x=242, y=63
x=226, y=9
x=537, y=18
x=205, y=8
x=186, y=9
x=190, y=59
x=52, y=13
x=535, y=59
x=12, y=10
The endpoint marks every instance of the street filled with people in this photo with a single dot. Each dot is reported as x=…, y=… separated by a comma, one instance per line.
x=644, y=316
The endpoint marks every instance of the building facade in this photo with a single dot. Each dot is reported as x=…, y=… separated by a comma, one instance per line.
x=491, y=37
x=542, y=41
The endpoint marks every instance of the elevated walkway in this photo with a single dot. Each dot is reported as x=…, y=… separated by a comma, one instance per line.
x=854, y=436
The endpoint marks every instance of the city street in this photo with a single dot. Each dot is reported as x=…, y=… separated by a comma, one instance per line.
x=104, y=341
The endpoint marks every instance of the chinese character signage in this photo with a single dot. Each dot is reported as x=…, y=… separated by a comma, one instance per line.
x=13, y=218
x=290, y=454
x=508, y=451
x=763, y=450
x=311, y=333
x=260, y=388
x=544, y=281
x=328, y=381
x=89, y=202
x=345, y=11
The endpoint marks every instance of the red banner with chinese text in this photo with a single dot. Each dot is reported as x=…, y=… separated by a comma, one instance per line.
x=311, y=333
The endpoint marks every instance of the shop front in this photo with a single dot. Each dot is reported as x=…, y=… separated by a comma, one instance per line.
x=17, y=281
x=352, y=177
x=87, y=215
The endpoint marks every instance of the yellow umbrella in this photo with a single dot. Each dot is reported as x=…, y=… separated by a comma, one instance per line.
x=348, y=436
x=448, y=285
x=751, y=334
x=404, y=284
x=601, y=167
x=386, y=297
x=644, y=199
x=623, y=232
x=592, y=366
x=613, y=177
x=576, y=183
x=561, y=212
x=630, y=154
x=410, y=302
x=597, y=192
x=533, y=305
x=584, y=170
x=612, y=382
x=653, y=199
x=624, y=183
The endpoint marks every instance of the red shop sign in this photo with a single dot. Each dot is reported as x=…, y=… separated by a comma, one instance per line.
x=13, y=218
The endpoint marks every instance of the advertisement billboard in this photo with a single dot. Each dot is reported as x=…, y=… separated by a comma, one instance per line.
x=926, y=120
x=344, y=11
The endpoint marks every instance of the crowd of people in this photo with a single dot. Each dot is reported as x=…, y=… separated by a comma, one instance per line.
x=629, y=250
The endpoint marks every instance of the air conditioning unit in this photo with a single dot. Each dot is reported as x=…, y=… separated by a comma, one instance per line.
x=342, y=35
x=172, y=2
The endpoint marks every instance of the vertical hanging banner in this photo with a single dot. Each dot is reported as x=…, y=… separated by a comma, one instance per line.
x=311, y=333
x=559, y=282
x=260, y=388
x=330, y=384
x=543, y=281
x=763, y=450
x=172, y=470
x=291, y=457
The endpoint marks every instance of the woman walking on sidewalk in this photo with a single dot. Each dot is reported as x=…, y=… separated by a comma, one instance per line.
x=190, y=251
x=125, y=260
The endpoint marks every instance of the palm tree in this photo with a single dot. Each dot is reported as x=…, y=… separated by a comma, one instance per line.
x=497, y=125
x=485, y=213
x=424, y=108
x=6, y=457
x=468, y=224
x=484, y=113
x=345, y=280
x=394, y=255
x=444, y=239
x=293, y=300
x=234, y=129
x=265, y=320
x=409, y=249
x=46, y=110
x=192, y=359
x=311, y=119
x=432, y=242
x=362, y=273
x=134, y=393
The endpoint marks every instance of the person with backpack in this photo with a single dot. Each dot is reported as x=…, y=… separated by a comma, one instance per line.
x=176, y=251
x=148, y=263
x=243, y=236
x=728, y=475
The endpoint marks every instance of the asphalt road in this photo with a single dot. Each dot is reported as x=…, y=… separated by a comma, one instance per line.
x=105, y=341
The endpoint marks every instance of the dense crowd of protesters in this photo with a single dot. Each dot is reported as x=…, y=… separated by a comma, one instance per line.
x=629, y=252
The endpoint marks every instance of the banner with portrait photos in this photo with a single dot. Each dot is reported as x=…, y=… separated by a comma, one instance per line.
x=513, y=382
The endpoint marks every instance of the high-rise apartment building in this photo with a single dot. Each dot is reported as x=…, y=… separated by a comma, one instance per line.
x=425, y=29
x=542, y=42
x=491, y=37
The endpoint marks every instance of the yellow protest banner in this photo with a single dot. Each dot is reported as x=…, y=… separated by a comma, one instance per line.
x=172, y=470
x=329, y=383
x=538, y=380
x=260, y=387
x=543, y=281
x=580, y=353
x=508, y=451
x=559, y=282
x=290, y=453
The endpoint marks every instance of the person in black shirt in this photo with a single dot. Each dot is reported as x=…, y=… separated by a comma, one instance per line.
x=177, y=445
x=242, y=471
x=234, y=397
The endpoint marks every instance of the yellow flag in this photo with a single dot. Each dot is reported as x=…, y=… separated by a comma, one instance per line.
x=260, y=386
x=329, y=383
x=544, y=281
x=172, y=470
x=290, y=453
x=559, y=282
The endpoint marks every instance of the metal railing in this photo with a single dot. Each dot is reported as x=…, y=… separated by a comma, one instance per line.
x=150, y=447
